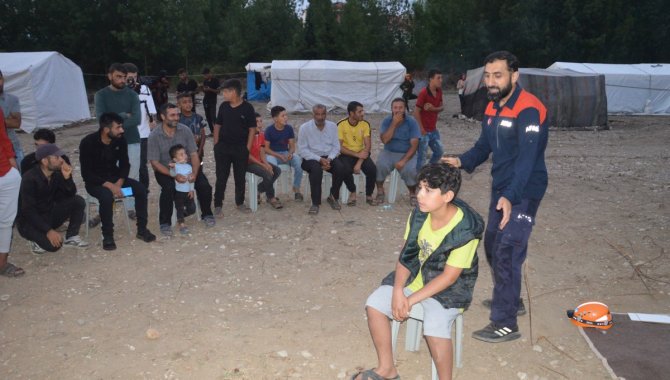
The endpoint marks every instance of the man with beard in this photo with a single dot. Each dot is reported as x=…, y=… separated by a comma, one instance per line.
x=123, y=101
x=514, y=131
x=103, y=156
x=147, y=123
x=161, y=139
x=49, y=198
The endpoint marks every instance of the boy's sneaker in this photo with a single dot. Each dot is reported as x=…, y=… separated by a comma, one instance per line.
x=184, y=230
x=75, y=241
x=218, y=211
x=108, y=243
x=145, y=235
x=497, y=334
x=35, y=248
x=299, y=197
x=166, y=230
x=522, y=308
x=209, y=220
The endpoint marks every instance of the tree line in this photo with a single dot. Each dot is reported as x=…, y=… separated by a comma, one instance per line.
x=453, y=35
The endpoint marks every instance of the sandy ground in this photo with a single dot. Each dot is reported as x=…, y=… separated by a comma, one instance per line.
x=279, y=294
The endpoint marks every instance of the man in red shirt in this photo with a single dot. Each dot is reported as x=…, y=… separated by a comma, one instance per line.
x=10, y=183
x=428, y=106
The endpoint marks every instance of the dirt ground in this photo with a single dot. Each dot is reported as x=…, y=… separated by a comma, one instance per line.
x=280, y=294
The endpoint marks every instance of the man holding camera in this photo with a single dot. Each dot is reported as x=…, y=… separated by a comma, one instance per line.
x=147, y=123
x=118, y=98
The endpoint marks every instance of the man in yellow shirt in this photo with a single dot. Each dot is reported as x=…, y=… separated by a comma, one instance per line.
x=355, y=147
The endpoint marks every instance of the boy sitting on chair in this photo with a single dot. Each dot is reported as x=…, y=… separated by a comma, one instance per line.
x=437, y=268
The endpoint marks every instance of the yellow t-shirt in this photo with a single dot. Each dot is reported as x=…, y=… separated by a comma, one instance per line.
x=352, y=135
x=430, y=239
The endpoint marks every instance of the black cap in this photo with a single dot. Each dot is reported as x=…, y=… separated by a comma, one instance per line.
x=48, y=150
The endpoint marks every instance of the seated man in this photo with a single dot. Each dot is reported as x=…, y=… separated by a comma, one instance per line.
x=319, y=147
x=355, y=146
x=166, y=135
x=103, y=156
x=280, y=147
x=41, y=211
x=400, y=135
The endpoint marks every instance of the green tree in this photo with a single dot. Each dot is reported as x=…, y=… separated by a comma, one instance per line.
x=321, y=30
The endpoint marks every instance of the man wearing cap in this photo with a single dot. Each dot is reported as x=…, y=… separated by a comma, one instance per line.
x=103, y=156
x=12, y=109
x=41, y=212
x=211, y=89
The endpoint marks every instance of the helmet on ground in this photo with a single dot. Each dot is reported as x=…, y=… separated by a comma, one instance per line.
x=591, y=314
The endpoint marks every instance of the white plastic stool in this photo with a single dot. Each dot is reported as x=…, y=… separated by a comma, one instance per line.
x=284, y=179
x=91, y=200
x=413, y=335
x=252, y=185
x=344, y=192
x=394, y=185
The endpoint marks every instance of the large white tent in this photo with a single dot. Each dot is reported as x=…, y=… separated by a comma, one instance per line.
x=638, y=89
x=50, y=88
x=299, y=85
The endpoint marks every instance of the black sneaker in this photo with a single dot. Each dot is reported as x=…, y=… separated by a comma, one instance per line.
x=334, y=203
x=108, y=244
x=497, y=334
x=521, y=311
x=146, y=236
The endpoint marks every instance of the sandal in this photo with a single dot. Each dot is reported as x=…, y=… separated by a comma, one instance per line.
x=369, y=374
x=380, y=198
x=276, y=204
x=371, y=201
x=352, y=202
x=11, y=270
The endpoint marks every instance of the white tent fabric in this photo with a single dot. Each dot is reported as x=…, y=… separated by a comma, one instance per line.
x=50, y=88
x=638, y=89
x=299, y=85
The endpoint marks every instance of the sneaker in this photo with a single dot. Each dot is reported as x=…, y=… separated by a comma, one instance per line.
x=299, y=197
x=132, y=214
x=94, y=221
x=166, y=230
x=334, y=203
x=522, y=308
x=218, y=211
x=108, y=243
x=314, y=210
x=243, y=208
x=145, y=235
x=35, y=248
x=75, y=241
x=209, y=220
x=184, y=230
x=496, y=334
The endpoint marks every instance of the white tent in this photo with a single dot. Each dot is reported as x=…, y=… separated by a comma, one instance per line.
x=639, y=89
x=299, y=85
x=49, y=86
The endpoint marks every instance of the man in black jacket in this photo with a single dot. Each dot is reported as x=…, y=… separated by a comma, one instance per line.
x=48, y=198
x=103, y=156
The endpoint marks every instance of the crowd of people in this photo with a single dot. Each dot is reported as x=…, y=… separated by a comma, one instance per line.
x=438, y=264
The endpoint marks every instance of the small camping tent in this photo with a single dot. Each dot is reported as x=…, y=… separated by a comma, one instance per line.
x=299, y=85
x=259, y=81
x=572, y=99
x=49, y=86
x=639, y=89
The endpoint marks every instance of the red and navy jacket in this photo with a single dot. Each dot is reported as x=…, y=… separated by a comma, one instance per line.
x=517, y=135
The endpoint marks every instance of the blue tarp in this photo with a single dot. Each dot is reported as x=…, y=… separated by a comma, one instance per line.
x=257, y=91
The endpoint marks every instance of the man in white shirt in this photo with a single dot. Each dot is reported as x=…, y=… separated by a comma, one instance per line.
x=319, y=147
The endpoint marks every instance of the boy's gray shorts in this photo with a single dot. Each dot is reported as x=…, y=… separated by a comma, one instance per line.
x=437, y=320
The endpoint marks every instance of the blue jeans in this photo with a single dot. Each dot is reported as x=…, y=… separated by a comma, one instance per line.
x=506, y=251
x=16, y=144
x=295, y=163
x=432, y=140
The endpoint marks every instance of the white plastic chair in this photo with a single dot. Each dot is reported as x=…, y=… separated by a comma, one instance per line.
x=413, y=335
x=252, y=185
x=394, y=186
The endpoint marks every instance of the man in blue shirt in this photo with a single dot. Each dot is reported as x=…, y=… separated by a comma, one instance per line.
x=400, y=134
x=514, y=131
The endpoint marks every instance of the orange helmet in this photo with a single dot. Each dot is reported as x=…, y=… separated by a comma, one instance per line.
x=591, y=314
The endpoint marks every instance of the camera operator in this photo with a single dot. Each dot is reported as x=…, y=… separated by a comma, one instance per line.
x=148, y=111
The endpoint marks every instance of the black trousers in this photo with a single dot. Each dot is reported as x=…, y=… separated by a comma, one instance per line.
x=210, y=113
x=71, y=208
x=368, y=168
x=313, y=168
x=185, y=206
x=144, y=172
x=267, y=184
x=225, y=156
x=106, y=199
x=167, y=198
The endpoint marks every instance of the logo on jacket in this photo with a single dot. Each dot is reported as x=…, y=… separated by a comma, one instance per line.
x=506, y=123
x=533, y=128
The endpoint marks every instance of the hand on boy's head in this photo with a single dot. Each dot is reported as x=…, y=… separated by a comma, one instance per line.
x=451, y=161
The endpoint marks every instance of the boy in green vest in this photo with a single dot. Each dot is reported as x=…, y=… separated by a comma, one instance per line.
x=437, y=268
